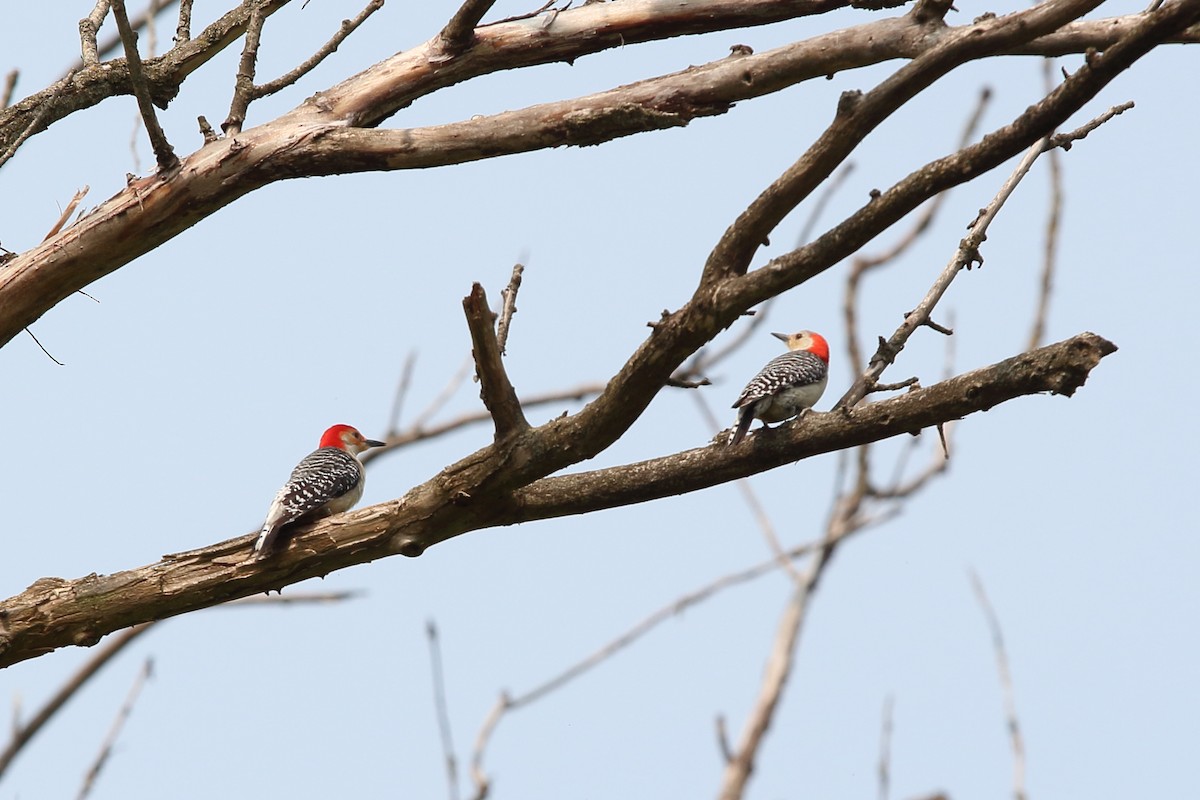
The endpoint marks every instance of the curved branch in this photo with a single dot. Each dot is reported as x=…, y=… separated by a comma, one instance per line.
x=478, y=492
x=315, y=139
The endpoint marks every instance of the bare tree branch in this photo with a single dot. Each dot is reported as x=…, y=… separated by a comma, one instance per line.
x=89, y=26
x=123, y=713
x=23, y=733
x=348, y=27
x=967, y=255
x=36, y=120
x=308, y=142
x=1053, y=218
x=1006, y=685
x=10, y=85
x=493, y=488
x=460, y=30
x=508, y=295
x=885, y=750
x=862, y=264
x=183, y=29
x=495, y=389
x=243, y=85
x=439, y=703
x=673, y=609
x=163, y=152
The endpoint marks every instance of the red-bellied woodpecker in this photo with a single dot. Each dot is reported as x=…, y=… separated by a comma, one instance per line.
x=788, y=385
x=329, y=480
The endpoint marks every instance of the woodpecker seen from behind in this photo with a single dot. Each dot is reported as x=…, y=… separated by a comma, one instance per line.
x=327, y=481
x=788, y=385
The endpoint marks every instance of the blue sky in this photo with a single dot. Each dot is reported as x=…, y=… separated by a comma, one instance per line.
x=211, y=365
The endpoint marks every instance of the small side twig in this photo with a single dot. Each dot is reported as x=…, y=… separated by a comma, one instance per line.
x=885, y=750
x=123, y=713
x=23, y=733
x=10, y=85
x=243, y=83
x=401, y=393
x=863, y=264
x=183, y=29
x=36, y=123
x=751, y=499
x=287, y=79
x=508, y=307
x=116, y=644
x=495, y=389
x=66, y=214
x=439, y=702
x=460, y=30
x=965, y=257
x=508, y=703
x=1006, y=685
x=89, y=26
x=164, y=154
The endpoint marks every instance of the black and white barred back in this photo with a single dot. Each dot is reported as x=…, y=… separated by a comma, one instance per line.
x=328, y=480
x=788, y=385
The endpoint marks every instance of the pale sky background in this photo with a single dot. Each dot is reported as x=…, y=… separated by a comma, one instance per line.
x=211, y=365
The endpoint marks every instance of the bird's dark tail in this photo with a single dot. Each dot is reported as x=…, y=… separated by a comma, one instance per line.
x=745, y=417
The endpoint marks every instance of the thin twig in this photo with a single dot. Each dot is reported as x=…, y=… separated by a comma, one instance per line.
x=863, y=264
x=751, y=498
x=417, y=432
x=243, y=85
x=1053, y=217
x=142, y=20
x=706, y=358
x=36, y=122
x=966, y=256
x=66, y=214
x=508, y=297
x=10, y=85
x=439, y=702
x=183, y=29
x=401, y=393
x=460, y=30
x=123, y=713
x=287, y=79
x=42, y=347
x=778, y=670
x=495, y=389
x=443, y=397
x=89, y=26
x=164, y=154
x=885, y=749
x=1006, y=685
x=23, y=733
x=508, y=703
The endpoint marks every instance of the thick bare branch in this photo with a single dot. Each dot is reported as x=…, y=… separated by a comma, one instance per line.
x=84, y=88
x=498, y=486
x=311, y=141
